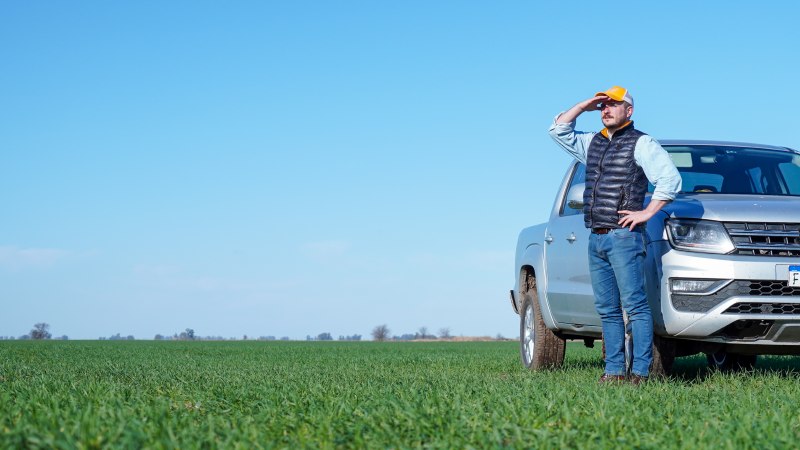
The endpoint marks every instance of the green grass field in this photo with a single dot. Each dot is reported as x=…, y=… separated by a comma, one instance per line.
x=56, y=394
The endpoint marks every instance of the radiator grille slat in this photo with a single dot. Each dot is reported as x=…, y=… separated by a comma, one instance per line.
x=765, y=239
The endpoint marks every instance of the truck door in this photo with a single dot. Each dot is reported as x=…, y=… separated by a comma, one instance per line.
x=569, y=286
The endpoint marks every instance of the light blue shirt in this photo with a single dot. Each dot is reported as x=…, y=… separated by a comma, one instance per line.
x=649, y=155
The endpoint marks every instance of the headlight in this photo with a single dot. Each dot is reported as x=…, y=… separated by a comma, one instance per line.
x=694, y=235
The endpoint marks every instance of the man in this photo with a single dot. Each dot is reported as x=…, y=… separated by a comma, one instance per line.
x=619, y=162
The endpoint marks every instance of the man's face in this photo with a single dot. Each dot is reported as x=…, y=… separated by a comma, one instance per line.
x=614, y=114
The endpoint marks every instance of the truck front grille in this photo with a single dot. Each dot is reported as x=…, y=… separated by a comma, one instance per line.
x=765, y=239
x=772, y=287
x=764, y=308
x=737, y=288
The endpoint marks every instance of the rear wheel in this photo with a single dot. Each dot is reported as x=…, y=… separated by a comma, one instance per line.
x=539, y=346
x=731, y=362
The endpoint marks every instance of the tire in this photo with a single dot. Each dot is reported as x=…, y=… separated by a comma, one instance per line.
x=731, y=362
x=663, y=356
x=539, y=347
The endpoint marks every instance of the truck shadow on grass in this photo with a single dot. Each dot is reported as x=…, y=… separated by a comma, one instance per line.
x=691, y=369
x=695, y=369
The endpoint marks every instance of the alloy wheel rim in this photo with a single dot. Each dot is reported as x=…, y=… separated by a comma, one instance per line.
x=529, y=342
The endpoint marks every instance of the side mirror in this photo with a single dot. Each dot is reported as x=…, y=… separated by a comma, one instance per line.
x=575, y=196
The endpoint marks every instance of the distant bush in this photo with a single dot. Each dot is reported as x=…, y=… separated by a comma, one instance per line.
x=355, y=337
x=39, y=331
x=119, y=337
x=187, y=335
x=380, y=333
x=405, y=337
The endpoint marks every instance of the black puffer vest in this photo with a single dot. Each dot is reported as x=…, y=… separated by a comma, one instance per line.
x=614, y=182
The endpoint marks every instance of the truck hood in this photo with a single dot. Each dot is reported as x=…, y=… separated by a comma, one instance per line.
x=736, y=207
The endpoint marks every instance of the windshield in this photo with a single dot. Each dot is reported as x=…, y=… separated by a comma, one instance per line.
x=736, y=170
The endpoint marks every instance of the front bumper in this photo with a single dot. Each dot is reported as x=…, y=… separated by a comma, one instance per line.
x=710, y=318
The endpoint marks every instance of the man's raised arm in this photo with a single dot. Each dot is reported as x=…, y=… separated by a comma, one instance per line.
x=593, y=104
x=563, y=128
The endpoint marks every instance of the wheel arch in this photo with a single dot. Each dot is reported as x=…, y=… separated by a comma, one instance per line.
x=532, y=263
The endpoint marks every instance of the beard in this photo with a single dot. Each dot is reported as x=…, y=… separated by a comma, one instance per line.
x=615, y=122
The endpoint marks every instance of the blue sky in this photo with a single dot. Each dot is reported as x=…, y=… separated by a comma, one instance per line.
x=293, y=168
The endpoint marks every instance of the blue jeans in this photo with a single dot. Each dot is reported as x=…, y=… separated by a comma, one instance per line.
x=616, y=265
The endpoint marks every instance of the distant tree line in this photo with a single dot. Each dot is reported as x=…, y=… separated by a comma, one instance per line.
x=189, y=335
x=320, y=337
x=118, y=337
x=381, y=333
x=39, y=331
x=28, y=336
x=328, y=337
x=355, y=337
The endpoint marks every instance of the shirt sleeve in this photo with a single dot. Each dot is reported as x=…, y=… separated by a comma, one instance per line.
x=574, y=142
x=658, y=167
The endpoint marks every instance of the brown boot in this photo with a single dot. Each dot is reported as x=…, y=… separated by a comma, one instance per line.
x=607, y=378
x=637, y=380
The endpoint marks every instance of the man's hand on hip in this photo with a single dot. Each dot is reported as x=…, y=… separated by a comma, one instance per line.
x=634, y=218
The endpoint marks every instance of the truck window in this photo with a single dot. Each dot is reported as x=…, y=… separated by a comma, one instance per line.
x=711, y=169
x=791, y=175
x=701, y=182
x=578, y=176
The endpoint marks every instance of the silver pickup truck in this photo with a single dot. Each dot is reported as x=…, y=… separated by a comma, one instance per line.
x=722, y=268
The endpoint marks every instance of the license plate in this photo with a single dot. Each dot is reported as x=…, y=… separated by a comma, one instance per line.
x=794, y=276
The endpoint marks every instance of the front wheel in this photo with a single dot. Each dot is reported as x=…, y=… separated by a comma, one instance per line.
x=538, y=345
x=663, y=355
x=731, y=362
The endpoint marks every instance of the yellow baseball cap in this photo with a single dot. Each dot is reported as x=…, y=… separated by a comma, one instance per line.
x=617, y=93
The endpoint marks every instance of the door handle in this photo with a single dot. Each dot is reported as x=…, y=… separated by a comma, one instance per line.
x=549, y=239
x=572, y=237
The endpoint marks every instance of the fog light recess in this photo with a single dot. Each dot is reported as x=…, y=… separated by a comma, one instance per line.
x=686, y=286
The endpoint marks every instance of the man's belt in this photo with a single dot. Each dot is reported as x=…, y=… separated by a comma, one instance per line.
x=640, y=226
